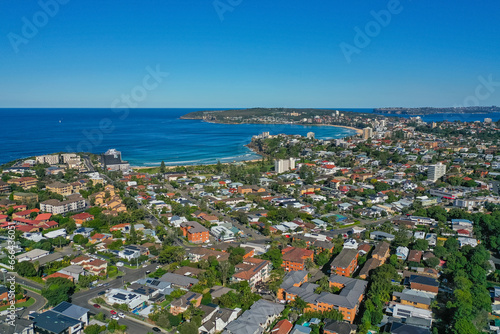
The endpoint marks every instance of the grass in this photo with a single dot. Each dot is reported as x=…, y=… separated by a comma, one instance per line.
x=27, y=303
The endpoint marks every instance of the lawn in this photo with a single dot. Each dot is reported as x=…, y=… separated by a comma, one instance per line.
x=27, y=303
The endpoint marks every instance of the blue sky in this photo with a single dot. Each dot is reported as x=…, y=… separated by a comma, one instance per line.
x=262, y=53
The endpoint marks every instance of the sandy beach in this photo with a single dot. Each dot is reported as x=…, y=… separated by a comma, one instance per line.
x=358, y=132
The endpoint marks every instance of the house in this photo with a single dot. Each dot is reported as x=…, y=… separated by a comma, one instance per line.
x=402, y=252
x=379, y=235
x=401, y=328
x=54, y=322
x=74, y=270
x=99, y=237
x=299, y=329
x=295, y=258
x=351, y=244
x=222, y=233
x=415, y=256
x=195, y=232
x=345, y=262
x=59, y=275
x=96, y=267
x=20, y=326
x=181, y=304
x=216, y=318
x=180, y=281
x=125, y=227
x=73, y=311
x=32, y=255
x=369, y=265
x=146, y=292
x=381, y=251
x=120, y=296
x=84, y=231
x=130, y=253
x=255, y=320
x=339, y=327
x=412, y=299
x=423, y=283
x=253, y=271
x=282, y=327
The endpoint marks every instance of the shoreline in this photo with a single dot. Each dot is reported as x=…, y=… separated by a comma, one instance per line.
x=358, y=132
x=185, y=166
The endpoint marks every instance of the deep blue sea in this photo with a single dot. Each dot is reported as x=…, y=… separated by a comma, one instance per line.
x=144, y=136
x=148, y=136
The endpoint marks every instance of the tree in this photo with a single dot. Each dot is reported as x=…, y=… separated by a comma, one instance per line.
x=421, y=244
x=224, y=267
x=80, y=240
x=94, y=329
x=432, y=262
x=162, y=167
x=26, y=269
x=299, y=304
x=171, y=254
x=58, y=290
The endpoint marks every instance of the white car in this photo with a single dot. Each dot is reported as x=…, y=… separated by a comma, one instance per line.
x=158, y=267
x=119, y=264
x=144, y=265
x=115, y=317
x=121, y=315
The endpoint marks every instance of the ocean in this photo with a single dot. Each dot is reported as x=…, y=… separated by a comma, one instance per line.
x=144, y=136
x=148, y=136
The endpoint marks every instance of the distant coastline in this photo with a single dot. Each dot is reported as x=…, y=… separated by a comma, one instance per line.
x=358, y=131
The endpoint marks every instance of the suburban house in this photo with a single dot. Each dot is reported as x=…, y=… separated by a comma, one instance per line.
x=32, y=255
x=339, y=327
x=181, y=304
x=80, y=218
x=216, y=318
x=381, y=251
x=255, y=320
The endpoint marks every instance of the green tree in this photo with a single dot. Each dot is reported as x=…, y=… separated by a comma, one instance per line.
x=58, y=290
x=25, y=269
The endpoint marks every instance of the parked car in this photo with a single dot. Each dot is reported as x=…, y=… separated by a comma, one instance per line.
x=156, y=329
x=121, y=315
x=113, y=312
x=148, y=271
x=115, y=317
x=97, y=306
x=101, y=293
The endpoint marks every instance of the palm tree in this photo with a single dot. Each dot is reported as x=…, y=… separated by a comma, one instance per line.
x=299, y=304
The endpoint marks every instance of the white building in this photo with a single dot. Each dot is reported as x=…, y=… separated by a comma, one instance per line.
x=436, y=171
x=222, y=233
x=120, y=296
x=284, y=165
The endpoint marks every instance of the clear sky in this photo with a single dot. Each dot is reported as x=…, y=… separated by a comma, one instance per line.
x=249, y=53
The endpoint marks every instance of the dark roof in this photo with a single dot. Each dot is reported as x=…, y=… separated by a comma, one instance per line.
x=398, y=328
x=423, y=280
x=344, y=259
x=70, y=310
x=340, y=327
x=53, y=322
